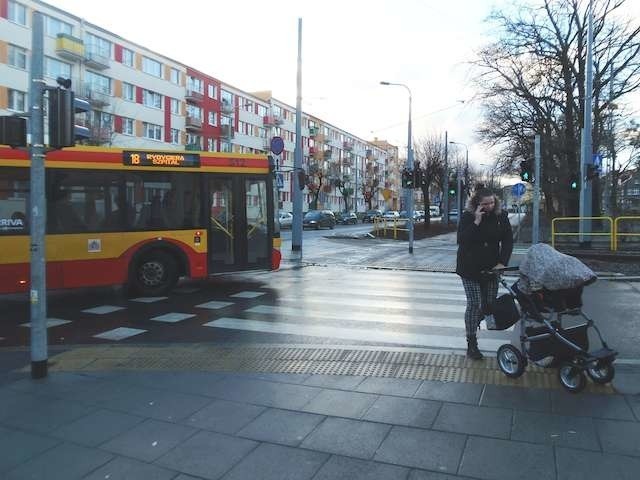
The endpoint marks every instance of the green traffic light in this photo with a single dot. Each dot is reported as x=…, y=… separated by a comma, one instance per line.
x=574, y=185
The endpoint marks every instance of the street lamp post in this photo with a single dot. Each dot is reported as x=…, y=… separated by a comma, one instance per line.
x=466, y=178
x=408, y=191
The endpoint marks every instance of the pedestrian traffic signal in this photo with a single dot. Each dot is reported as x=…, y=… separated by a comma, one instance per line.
x=407, y=178
x=574, y=183
x=526, y=175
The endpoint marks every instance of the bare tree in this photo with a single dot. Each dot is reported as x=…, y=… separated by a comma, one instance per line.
x=532, y=82
x=429, y=157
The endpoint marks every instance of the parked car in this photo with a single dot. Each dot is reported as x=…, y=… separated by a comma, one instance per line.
x=285, y=219
x=319, y=218
x=370, y=215
x=391, y=214
x=453, y=213
x=434, y=211
x=347, y=218
x=417, y=215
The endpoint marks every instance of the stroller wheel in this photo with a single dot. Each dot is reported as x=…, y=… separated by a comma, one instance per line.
x=511, y=362
x=602, y=373
x=571, y=377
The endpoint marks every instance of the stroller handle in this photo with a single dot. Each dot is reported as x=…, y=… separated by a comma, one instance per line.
x=498, y=271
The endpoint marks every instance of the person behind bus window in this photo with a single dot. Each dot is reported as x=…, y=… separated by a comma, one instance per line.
x=485, y=241
x=66, y=215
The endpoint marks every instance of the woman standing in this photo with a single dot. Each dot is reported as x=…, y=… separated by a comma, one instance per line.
x=485, y=242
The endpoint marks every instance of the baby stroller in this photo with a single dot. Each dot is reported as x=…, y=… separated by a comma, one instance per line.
x=542, y=304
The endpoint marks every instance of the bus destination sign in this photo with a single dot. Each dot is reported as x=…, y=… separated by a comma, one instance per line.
x=160, y=159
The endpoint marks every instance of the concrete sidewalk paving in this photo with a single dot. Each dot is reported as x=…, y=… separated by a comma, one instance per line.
x=210, y=425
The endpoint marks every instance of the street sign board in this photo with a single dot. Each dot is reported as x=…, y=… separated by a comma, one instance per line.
x=277, y=145
x=518, y=189
x=597, y=160
x=280, y=180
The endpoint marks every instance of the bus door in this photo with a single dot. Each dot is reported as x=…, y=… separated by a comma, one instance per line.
x=238, y=223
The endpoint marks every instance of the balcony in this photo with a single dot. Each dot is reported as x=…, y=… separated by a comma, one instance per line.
x=348, y=146
x=313, y=131
x=95, y=58
x=193, y=95
x=193, y=123
x=69, y=47
x=226, y=108
x=227, y=131
x=271, y=120
x=96, y=95
x=192, y=147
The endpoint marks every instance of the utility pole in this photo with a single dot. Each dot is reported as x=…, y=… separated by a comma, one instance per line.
x=38, y=211
x=445, y=183
x=296, y=226
x=537, y=179
x=586, y=157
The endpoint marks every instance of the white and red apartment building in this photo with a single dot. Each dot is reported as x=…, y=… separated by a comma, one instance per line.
x=143, y=99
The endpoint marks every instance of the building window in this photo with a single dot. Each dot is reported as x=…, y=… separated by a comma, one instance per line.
x=194, y=140
x=127, y=57
x=175, y=136
x=17, y=100
x=55, y=68
x=17, y=13
x=226, y=147
x=151, y=99
x=175, y=106
x=127, y=126
x=194, y=111
x=97, y=82
x=195, y=85
x=262, y=132
x=98, y=45
x=211, y=91
x=175, y=76
x=152, y=131
x=226, y=97
x=213, y=121
x=128, y=92
x=211, y=145
x=151, y=67
x=17, y=57
x=54, y=26
x=262, y=110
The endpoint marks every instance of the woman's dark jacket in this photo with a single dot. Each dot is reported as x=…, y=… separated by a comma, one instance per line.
x=482, y=247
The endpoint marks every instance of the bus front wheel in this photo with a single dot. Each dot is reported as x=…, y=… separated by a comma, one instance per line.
x=155, y=274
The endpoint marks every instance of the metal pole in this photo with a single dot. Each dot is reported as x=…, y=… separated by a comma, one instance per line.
x=355, y=187
x=445, y=182
x=38, y=213
x=459, y=197
x=587, y=148
x=296, y=226
x=410, y=167
x=537, y=179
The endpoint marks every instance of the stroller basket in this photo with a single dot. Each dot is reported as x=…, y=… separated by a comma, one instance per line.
x=551, y=346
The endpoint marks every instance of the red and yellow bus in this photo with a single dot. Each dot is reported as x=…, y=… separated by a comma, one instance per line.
x=139, y=218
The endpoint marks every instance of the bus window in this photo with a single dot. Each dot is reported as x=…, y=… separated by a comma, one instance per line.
x=256, y=210
x=14, y=199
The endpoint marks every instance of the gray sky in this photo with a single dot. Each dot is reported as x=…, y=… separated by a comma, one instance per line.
x=348, y=47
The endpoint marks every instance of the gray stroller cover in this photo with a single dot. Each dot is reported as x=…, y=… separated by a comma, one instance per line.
x=545, y=267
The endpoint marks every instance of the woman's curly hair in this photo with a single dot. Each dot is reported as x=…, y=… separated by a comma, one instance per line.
x=474, y=200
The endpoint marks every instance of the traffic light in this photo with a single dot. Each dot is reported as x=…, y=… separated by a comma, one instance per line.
x=592, y=171
x=526, y=175
x=407, y=178
x=302, y=179
x=418, y=178
x=13, y=131
x=452, y=188
x=574, y=183
x=63, y=107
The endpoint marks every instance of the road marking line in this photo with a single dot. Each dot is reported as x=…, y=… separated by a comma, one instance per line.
x=172, y=317
x=363, y=335
x=51, y=322
x=103, y=310
x=247, y=294
x=214, y=305
x=119, y=333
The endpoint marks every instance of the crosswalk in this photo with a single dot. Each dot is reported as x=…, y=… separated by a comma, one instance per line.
x=418, y=309
x=322, y=305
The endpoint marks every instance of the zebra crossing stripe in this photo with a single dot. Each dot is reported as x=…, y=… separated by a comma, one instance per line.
x=355, y=334
x=350, y=304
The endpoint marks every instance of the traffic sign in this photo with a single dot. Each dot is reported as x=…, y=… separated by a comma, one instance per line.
x=597, y=160
x=518, y=189
x=280, y=180
x=277, y=145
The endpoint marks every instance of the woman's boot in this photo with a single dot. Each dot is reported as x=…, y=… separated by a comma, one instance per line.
x=472, y=348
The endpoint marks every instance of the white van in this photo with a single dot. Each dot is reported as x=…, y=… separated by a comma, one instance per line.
x=434, y=211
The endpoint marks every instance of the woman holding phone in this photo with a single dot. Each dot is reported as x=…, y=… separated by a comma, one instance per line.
x=485, y=241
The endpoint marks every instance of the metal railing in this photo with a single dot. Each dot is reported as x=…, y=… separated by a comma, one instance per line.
x=398, y=224
x=614, y=232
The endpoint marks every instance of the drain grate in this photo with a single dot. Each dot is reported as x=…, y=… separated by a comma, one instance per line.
x=318, y=361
